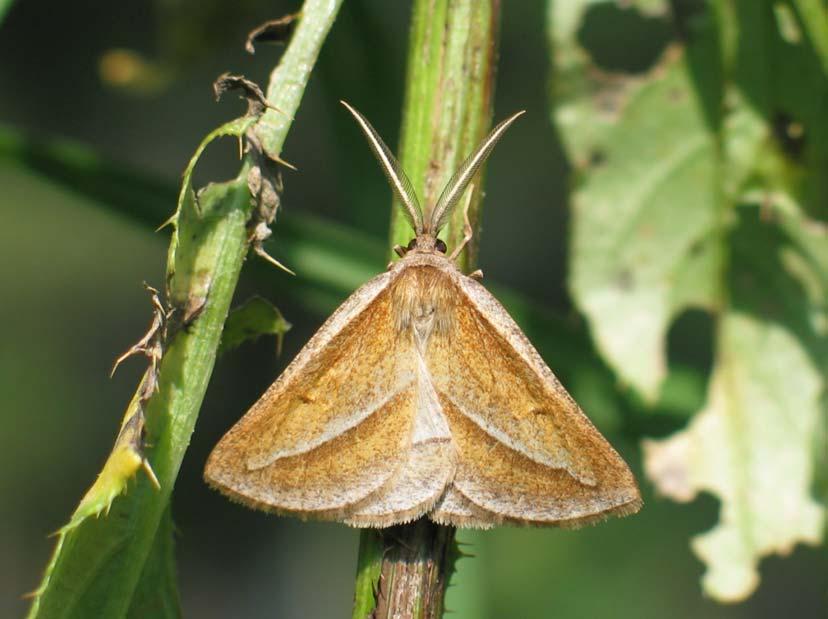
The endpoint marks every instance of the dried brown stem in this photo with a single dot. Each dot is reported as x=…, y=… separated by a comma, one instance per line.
x=417, y=563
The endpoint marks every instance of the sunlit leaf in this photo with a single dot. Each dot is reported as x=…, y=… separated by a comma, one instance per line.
x=697, y=186
x=644, y=203
x=5, y=5
x=755, y=444
x=815, y=20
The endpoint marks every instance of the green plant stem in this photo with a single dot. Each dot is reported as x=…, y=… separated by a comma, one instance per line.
x=98, y=562
x=403, y=571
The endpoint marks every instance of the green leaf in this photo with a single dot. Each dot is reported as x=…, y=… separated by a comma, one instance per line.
x=157, y=592
x=644, y=203
x=193, y=252
x=124, y=461
x=694, y=188
x=254, y=318
x=98, y=562
x=815, y=20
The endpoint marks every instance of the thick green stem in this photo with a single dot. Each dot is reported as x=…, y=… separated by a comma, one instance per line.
x=403, y=571
x=97, y=563
x=452, y=57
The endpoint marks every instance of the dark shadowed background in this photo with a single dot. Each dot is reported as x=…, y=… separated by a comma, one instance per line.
x=71, y=270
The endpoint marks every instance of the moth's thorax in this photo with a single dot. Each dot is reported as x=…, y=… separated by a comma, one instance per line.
x=423, y=298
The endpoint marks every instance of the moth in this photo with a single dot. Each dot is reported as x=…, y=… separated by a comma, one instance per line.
x=420, y=396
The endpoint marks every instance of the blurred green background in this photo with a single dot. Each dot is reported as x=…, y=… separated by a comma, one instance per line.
x=72, y=267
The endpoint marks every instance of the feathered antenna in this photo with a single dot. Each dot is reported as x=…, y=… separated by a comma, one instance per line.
x=457, y=184
x=393, y=172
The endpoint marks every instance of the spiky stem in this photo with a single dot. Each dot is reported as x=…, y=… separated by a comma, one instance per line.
x=403, y=571
x=99, y=562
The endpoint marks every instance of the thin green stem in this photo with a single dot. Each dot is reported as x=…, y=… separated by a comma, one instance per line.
x=403, y=571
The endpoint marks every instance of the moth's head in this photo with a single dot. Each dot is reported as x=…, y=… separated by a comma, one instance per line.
x=427, y=227
x=426, y=243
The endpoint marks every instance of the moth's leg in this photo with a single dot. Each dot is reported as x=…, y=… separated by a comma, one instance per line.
x=478, y=275
x=468, y=233
x=400, y=251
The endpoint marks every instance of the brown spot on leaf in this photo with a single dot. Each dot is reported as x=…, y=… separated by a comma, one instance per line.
x=789, y=134
x=624, y=279
x=597, y=158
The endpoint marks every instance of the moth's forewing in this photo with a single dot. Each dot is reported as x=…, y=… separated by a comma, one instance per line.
x=327, y=482
x=525, y=451
x=336, y=426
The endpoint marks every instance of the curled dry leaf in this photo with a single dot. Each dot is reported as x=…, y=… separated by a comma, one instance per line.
x=273, y=31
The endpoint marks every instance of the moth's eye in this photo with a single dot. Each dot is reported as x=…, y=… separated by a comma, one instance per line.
x=412, y=244
x=441, y=246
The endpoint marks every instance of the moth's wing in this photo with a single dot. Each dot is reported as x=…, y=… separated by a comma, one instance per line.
x=336, y=426
x=526, y=452
x=420, y=484
x=424, y=477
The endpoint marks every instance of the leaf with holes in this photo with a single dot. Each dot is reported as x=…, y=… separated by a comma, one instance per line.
x=644, y=204
x=700, y=184
x=755, y=444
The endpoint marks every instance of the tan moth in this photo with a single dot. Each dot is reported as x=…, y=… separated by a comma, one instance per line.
x=421, y=396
